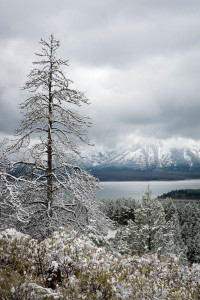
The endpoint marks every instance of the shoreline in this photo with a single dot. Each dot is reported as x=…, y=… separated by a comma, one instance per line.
x=151, y=180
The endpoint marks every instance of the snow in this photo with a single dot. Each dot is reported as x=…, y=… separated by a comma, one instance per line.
x=54, y=266
x=145, y=156
x=111, y=234
x=43, y=293
x=93, y=271
x=13, y=234
x=187, y=158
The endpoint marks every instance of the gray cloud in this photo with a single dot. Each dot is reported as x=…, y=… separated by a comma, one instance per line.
x=138, y=61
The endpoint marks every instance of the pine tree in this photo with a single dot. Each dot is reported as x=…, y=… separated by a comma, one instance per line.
x=120, y=210
x=149, y=232
x=190, y=228
x=171, y=215
x=43, y=185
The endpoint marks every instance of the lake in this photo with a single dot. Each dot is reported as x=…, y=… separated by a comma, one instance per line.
x=135, y=189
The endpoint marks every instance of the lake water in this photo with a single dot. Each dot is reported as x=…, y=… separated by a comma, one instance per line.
x=135, y=189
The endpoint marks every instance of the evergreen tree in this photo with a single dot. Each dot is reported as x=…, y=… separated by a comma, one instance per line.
x=171, y=216
x=170, y=209
x=120, y=210
x=190, y=229
x=149, y=232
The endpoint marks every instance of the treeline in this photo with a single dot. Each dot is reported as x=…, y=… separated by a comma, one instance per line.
x=126, y=174
x=182, y=194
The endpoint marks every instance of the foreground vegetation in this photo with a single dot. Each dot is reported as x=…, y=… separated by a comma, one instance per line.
x=68, y=265
x=150, y=251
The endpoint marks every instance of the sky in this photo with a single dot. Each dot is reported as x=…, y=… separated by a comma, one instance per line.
x=137, y=61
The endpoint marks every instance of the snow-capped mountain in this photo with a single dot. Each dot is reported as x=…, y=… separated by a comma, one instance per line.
x=145, y=158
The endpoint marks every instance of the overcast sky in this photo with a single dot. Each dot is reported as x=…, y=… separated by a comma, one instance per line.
x=137, y=61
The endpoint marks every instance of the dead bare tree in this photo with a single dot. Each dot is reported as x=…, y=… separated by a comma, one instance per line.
x=46, y=185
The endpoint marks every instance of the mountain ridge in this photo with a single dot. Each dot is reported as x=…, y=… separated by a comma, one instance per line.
x=145, y=161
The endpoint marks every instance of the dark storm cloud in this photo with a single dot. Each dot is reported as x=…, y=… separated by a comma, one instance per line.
x=138, y=61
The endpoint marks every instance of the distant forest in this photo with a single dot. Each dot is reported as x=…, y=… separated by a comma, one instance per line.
x=125, y=174
x=182, y=194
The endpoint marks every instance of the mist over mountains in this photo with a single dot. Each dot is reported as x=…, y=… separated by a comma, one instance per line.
x=145, y=162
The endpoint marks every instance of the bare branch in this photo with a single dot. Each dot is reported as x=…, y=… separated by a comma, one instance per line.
x=44, y=188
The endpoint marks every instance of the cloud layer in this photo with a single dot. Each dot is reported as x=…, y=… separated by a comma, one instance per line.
x=138, y=62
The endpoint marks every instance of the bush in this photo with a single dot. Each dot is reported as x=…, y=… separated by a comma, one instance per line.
x=89, y=272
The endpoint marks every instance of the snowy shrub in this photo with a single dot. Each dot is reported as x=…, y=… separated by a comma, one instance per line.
x=93, y=233
x=89, y=272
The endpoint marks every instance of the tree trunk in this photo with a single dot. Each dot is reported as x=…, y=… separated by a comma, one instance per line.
x=49, y=145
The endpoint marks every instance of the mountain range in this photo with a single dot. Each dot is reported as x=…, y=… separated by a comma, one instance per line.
x=145, y=162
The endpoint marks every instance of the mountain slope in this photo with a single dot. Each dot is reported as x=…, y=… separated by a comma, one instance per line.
x=145, y=159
